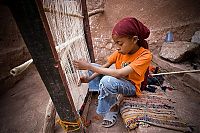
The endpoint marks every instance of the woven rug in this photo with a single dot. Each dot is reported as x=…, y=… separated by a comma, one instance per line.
x=153, y=109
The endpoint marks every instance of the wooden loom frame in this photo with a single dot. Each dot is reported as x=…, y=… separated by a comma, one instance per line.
x=32, y=23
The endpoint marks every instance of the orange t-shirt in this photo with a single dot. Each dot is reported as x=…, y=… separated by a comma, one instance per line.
x=139, y=62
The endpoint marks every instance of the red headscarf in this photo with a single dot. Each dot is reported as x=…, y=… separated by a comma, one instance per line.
x=130, y=26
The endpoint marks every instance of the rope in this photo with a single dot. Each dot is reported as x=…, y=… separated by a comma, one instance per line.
x=66, y=125
x=75, y=125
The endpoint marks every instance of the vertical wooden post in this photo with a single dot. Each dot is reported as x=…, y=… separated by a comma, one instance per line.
x=49, y=121
x=37, y=36
x=87, y=30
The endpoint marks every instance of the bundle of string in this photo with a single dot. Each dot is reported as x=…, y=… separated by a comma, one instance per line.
x=66, y=24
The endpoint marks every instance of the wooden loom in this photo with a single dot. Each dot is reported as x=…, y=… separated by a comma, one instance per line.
x=36, y=32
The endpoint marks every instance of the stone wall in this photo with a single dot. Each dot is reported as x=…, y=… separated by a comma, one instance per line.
x=180, y=17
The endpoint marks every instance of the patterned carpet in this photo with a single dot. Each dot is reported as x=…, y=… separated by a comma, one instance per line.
x=151, y=108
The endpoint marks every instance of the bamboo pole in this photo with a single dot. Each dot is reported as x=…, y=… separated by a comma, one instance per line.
x=178, y=72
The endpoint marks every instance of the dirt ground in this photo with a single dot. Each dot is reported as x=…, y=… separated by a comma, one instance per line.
x=22, y=108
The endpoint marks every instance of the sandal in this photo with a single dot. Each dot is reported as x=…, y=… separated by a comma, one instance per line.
x=110, y=119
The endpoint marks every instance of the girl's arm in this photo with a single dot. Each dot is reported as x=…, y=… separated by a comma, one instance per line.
x=118, y=73
x=95, y=74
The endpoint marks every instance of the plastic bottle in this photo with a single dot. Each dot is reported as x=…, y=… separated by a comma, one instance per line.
x=169, y=37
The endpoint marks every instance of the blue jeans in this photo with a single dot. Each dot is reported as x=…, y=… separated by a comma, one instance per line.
x=108, y=87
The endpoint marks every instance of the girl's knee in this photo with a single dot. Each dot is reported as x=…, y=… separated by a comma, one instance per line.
x=109, y=84
x=107, y=80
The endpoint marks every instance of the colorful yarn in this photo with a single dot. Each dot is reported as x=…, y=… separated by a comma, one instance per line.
x=151, y=108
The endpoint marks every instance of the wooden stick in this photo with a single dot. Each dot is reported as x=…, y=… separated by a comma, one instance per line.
x=67, y=14
x=188, y=71
x=95, y=12
x=75, y=15
x=49, y=121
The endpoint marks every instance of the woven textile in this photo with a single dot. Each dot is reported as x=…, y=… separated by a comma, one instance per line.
x=151, y=108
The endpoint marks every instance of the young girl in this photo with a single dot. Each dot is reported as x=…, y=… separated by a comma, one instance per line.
x=131, y=60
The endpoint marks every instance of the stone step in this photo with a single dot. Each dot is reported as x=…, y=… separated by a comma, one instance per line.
x=193, y=80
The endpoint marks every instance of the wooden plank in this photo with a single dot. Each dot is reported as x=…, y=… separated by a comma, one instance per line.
x=49, y=121
x=39, y=41
x=85, y=112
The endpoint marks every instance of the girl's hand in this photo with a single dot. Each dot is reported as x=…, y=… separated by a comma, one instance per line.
x=84, y=79
x=81, y=65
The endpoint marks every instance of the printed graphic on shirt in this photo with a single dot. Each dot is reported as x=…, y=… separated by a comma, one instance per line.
x=125, y=64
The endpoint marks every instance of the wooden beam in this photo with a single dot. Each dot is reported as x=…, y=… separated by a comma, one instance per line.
x=37, y=36
x=87, y=30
